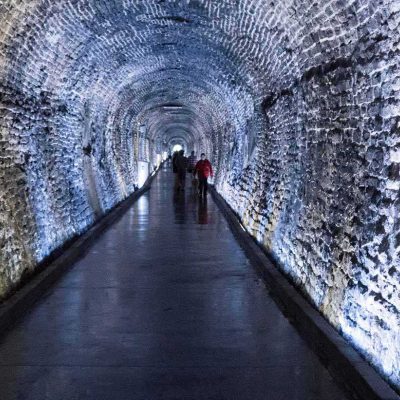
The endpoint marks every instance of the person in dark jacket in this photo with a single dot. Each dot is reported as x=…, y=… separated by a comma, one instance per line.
x=175, y=170
x=181, y=163
x=204, y=170
x=192, y=161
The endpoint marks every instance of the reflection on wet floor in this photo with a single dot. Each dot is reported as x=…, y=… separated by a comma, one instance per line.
x=179, y=199
x=202, y=211
x=163, y=306
x=185, y=201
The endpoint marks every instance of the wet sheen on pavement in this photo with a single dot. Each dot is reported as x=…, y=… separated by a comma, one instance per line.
x=164, y=306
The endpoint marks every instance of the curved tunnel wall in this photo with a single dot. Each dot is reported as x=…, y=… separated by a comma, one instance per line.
x=295, y=102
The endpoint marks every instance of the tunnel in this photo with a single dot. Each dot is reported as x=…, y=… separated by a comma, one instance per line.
x=296, y=103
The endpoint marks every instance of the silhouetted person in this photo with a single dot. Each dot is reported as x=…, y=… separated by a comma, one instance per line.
x=174, y=167
x=204, y=170
x=175, y=170
x=192, y=161
x=181, y=164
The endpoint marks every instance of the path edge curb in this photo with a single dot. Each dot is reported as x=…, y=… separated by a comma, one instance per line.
x=344, y=363
x=61, y=260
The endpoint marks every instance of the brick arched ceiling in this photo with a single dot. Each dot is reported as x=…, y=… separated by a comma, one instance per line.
x=296, y=102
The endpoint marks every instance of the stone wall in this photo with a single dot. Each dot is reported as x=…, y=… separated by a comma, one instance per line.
x=296, y=102
x=322, y=192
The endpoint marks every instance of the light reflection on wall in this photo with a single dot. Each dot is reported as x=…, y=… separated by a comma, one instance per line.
x=143, y=172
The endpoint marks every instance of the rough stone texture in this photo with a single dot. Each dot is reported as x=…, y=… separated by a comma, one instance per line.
x=296, y=102
x=322, y=192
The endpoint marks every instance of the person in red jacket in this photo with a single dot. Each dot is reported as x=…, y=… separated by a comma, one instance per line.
x=204, y=170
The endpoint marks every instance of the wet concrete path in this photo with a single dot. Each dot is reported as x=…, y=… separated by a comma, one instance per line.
x=164, y=306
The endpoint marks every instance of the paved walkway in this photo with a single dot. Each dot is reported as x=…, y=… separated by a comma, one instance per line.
x=164, y=306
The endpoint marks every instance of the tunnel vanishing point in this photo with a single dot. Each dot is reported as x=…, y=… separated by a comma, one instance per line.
x=295, y=102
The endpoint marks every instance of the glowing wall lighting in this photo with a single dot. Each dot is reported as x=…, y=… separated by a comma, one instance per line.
x=143, y=172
